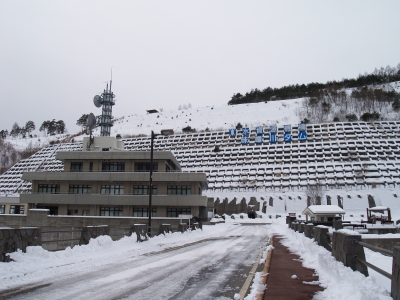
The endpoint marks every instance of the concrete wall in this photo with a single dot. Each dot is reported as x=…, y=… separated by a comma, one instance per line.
x=59, y=232
x=13, y=239
x=235, y=206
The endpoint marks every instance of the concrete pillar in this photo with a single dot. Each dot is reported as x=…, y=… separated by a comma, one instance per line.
x=344, y=250
x=164, y=228
x=141, y=232
x=396, y=273
x=182, y=227
x=309, y=230
x=292, y=225
x=321, y=236
x=194, y=226
x=337, y=224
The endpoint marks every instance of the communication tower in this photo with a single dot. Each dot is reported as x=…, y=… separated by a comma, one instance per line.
x=107, y=101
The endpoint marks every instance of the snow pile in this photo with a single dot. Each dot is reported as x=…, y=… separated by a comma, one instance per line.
x=257, y=287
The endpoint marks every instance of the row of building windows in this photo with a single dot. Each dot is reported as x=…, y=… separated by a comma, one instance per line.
x=14, y=209
x=179, y=190
x=80, y=189
x=144, y=190
x=113, y=167
x=144, y=212
x=76, y=167
x=116, y=167
x=49, y=188
x=114, y=189
x=111, y=211
x=141, y=212
x=172, y=212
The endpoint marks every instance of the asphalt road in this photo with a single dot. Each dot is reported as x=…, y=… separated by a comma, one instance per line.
x=209, y=269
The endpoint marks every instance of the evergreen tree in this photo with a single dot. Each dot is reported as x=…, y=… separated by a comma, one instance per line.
x=3, y=134
x=51, y=129
x=82, y=121
x=15, y=131
x=30, y=126
x=44, y=127
x=60, y=127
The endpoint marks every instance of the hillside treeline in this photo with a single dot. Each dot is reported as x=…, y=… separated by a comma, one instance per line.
x=363, y=103
x=378, y=77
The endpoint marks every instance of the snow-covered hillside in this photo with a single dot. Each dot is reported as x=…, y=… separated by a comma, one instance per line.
x=217, y=118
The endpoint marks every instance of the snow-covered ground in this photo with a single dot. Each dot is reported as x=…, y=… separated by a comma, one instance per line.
x=39, y=266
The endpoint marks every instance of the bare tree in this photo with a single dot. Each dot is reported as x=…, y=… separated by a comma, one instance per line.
x=314, y=194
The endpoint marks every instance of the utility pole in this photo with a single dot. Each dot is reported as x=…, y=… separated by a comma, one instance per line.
x=151, y=179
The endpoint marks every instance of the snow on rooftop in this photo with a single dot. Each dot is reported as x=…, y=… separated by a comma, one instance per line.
x=325, y=209
x=376, y=208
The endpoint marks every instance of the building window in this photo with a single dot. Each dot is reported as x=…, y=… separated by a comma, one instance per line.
x=111, y=211
x=2, y=209
x=17, y=210
x=144, y=212
x=112, y=190
x=144, y=190
x=53, y=209
x=113, y=167
x=80, y=189
x=49, y=189
x=145, y=166
x=173, y=212
x=85, y=212
x=76, y=167
x=179, y=190
x=91, y=166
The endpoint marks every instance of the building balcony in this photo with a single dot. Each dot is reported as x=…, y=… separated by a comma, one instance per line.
x=98, y=199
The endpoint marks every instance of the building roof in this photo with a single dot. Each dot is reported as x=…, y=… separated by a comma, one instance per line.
x=116, y=155
x=152, y=111
x=378, y=208
x=323, y=210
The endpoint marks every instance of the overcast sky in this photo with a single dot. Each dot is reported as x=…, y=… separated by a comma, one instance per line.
x=56, y=55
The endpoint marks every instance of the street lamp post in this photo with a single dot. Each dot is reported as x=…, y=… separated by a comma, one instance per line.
x=151, y=179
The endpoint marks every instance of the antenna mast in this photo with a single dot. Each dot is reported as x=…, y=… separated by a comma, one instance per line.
x=107, y=101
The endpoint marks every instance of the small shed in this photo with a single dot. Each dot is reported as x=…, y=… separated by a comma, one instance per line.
x=323, y=213
x=167, y=132
x=152, y=111
x=377, y=213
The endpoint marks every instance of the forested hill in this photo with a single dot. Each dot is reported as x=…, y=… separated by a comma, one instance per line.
x=378, y=77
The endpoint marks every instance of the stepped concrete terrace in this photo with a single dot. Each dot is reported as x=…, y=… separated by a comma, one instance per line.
x=353, y=155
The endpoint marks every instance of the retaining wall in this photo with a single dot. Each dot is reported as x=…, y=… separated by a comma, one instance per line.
x=60, y=232
x=13, y=239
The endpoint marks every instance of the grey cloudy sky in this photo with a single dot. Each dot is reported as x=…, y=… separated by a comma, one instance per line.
x=56, y=55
